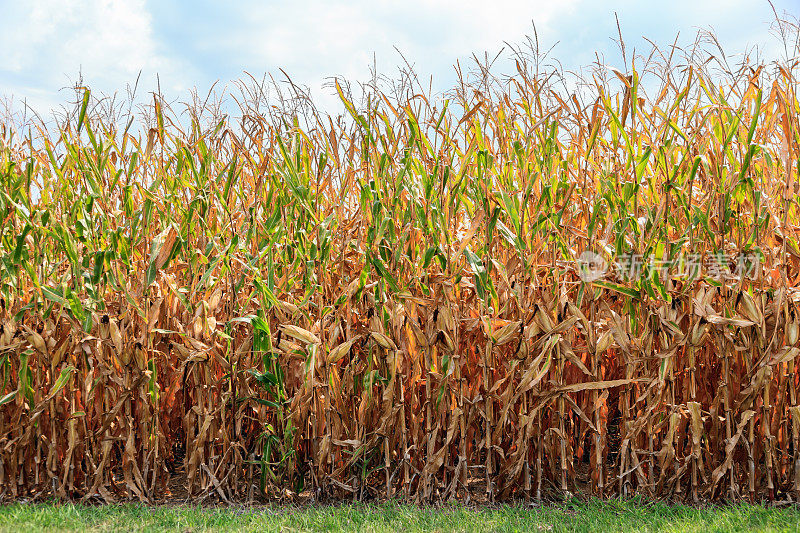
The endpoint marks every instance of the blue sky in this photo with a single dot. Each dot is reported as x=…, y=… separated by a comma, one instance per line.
x=46, y=43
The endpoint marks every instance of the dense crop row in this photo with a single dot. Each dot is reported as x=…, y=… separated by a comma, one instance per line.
x=392, y=302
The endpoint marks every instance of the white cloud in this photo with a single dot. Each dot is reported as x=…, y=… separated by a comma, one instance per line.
x=316, y=39
x=46, y=44
x=108, y=36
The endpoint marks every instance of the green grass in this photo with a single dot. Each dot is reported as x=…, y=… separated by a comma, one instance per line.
x=592, y=516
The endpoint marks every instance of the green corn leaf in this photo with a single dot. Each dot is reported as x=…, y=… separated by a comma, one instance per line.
x=84, y=106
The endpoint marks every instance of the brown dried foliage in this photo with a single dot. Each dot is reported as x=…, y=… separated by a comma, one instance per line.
x=390, y=304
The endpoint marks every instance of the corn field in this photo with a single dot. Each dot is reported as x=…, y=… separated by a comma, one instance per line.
x=392, y=302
